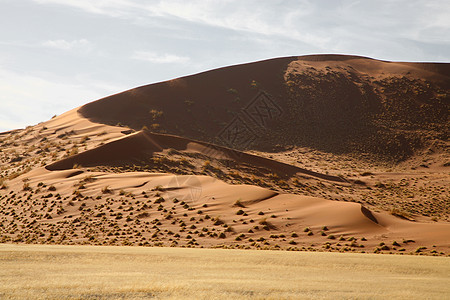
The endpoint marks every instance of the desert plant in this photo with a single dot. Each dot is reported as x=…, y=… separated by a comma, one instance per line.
x=3, y=184
x=106, y=190
x=254, y=84
x=420, y=249
x=217, y=221
x=399, y=213
x=26, y=187
x=155, y=114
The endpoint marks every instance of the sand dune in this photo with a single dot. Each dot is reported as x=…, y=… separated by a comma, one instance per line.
x=280, y=219
x=139, y=146
x=335, y=103
x=342, y=172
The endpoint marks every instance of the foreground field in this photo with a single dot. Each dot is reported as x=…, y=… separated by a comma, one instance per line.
x=86, y=272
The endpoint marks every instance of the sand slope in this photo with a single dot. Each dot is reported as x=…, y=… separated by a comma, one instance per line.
x=71, y=180
x=141, y=145
x=336, y=103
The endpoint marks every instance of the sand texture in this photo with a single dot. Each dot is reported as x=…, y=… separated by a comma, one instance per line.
x=319, y=153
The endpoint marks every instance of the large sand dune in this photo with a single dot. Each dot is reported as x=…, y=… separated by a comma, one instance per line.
x=306, y=171
x=336, y=103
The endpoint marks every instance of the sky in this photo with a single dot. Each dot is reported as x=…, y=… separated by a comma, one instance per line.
x=56, y=55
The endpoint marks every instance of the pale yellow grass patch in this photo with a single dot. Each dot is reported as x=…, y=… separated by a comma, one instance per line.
x=89, y=272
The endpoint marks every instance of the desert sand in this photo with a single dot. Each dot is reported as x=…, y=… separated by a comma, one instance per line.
x=318, y=153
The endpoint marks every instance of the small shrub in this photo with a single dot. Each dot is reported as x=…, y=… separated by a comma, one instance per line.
x=106, y=190
x=232, y=91
x=408, y=241
x=217, y=221
x=3, y=185
x=26, y=187
x=155, y=114
x=158, y=188
x=159, y=200
x=420, y=249
x=238, y=203
x=399, y=213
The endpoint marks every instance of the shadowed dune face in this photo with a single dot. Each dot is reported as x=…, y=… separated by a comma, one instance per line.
x=138, y=148
x=334, y=103
x=189, y=103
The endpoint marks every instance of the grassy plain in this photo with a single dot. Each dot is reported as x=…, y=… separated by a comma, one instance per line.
x=92, y=272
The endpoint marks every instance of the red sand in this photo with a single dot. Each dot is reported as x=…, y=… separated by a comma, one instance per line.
x=102, y=201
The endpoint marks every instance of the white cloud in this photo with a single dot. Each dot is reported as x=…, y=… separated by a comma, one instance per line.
x=317, y=23
x=113, y=8
x=279, y=18
x=82, y=44
x=160, y=58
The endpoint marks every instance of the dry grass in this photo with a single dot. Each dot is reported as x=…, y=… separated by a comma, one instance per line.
x=66, y=272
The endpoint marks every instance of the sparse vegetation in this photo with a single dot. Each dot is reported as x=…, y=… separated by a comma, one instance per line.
x=106, y=190
x=67, y=207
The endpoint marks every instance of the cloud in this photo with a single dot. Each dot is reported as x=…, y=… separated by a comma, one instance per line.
x=112, y=8
x=159, y=58
x=82, y=44
x=279, y=18
x=327, y=25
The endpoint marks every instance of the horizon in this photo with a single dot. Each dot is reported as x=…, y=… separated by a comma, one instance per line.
x=100, y=49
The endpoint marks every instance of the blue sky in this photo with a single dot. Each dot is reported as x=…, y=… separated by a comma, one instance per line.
x=56, y=55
